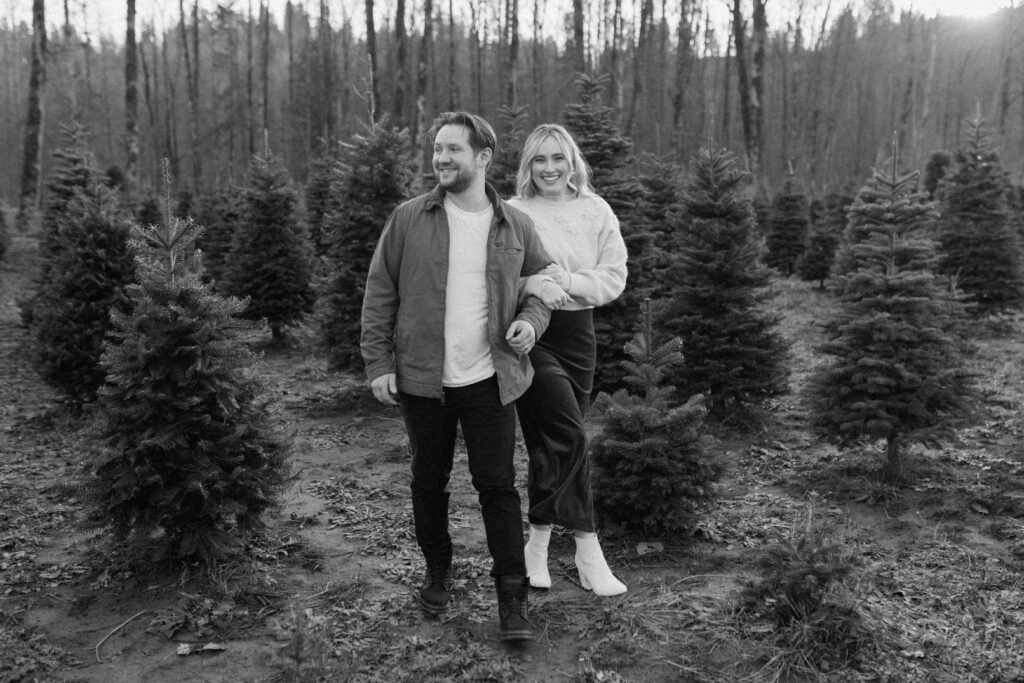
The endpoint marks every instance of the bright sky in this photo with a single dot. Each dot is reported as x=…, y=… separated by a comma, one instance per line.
x=107, y=17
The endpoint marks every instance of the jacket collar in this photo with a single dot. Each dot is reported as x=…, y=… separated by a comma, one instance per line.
x=435, y=199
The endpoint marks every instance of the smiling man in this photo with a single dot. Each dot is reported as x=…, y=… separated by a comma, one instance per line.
x=444, y=338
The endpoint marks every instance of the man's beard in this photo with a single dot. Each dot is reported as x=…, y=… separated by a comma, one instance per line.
x=460, y=183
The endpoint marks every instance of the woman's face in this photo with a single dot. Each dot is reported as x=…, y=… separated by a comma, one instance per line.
x=550, y=169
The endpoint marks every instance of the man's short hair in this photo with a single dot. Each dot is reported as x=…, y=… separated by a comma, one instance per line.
x=481, y=135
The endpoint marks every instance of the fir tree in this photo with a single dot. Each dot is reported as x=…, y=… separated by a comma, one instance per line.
x=220, y=213
x=652, y=468
x=980, y=248
x=896, y=371
x=662, y=182
x=375, y=176
x=609, y=154
x=318, y=202
x=190, y=462
x=815, y=263
x=89, y=267
x=787, y=227
x=505, y=167
x=934, y=171
x=717, y=285
x=271, y=260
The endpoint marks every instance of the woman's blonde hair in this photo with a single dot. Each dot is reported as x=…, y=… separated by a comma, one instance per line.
x=579, y=170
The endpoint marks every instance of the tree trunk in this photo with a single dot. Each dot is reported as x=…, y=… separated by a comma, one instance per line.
x=617, y=65
x=29, y=200
x=453, y=79
x=371, y=48
x=401, y=64
x=579, y=48
x=759, y=40
x=249, y=76
x=131, y=101
x=265, y=66
x=512, y=26
x=684, y=39
x=193, y=99
x=423, y=82
x=639, y=63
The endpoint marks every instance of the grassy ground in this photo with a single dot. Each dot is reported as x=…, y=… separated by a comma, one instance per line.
x=809, y=567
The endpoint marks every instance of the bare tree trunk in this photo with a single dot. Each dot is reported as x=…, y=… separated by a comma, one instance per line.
x=476, y=57
x=512, y=25
x=730, y=48
x=131, y=101
x=29, y=200
x=1009, y=40
x=265, y=66
x=193, y=104
x=684, y=40
x=617, y=66
x=639, y=63
x=401, y=63
x=423, y=81
x=454, y=100
x=371, y=49
x=249, y=96
x=325, y=40
x=758, y=41
x=579, y=49
x=538, y=56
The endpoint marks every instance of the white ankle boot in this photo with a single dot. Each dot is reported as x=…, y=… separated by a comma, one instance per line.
x=536, y=553
x=594, y=572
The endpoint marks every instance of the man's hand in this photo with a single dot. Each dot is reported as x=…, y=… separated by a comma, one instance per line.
x=385, y=388
x=521, y=336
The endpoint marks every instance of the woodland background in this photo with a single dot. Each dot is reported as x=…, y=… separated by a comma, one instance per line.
x=818, y=84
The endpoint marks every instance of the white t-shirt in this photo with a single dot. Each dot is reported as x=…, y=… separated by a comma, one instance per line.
x=467, y=350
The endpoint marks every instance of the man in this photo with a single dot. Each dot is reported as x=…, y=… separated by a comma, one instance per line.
x=441, y=336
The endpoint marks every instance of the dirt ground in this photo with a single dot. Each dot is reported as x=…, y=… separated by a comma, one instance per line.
x=937, y=579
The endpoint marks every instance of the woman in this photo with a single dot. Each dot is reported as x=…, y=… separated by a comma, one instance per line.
x=581, y=233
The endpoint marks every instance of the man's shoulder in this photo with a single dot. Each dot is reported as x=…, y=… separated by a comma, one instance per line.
x=515, y=215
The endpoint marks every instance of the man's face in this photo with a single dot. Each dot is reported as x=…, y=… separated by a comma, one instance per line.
x=456, y=164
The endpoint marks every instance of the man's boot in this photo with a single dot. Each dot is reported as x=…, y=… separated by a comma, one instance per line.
x=435, y=594
x=512, y=609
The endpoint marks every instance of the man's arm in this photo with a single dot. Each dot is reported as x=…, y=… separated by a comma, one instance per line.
x=380, y=303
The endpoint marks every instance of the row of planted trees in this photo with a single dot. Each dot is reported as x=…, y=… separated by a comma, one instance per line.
x=171, y=381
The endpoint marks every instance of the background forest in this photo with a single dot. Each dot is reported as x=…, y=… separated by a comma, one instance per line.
x=818, y=84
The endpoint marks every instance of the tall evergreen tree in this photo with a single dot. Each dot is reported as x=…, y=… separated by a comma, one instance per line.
x=220, y=212
x=271, y=256
x=652, y=467
x=89, y=268
x=717, y=285
x=787, y=227
x=897, y=370
x=815, y=263
x=190, y=462
x=511, y=136
x=374, y=177
x=980, y=247
x=609, y=154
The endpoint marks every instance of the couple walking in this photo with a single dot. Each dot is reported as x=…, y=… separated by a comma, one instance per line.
x=476, y=308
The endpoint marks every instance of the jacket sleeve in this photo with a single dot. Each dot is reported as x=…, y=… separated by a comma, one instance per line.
x=380, y=301
x=606, y=280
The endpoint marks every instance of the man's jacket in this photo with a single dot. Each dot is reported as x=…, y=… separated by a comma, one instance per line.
x=404, y=304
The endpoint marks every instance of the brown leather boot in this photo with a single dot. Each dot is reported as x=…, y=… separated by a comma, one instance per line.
x=512, y=608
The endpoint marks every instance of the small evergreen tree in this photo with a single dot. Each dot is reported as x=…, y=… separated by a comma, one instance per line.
x=505, y=167
x=190, y=462
x=609, y=154
x=652, y=468
x=815, y=263
x=980, y=248
x=897, y=369
x=375, y=176
x=318, y=202
x=89, y=267
x=271, y=257
x=662, y=182
x=220, y=213
x=935, y=170
x=787, y=227
x=717, y=285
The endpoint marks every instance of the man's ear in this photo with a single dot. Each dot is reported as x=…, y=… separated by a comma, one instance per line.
x=485, y=154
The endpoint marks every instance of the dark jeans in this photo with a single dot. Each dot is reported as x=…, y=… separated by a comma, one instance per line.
x=489, y=430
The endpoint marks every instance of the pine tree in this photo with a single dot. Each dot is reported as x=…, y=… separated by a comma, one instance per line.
x=89, y=267
x=897, y=369
x=190, y=462
x=505, y=167
x=652, y=468
x=662, y=183
x=980, y=248
x=375, y=176
x=318, y=202
x=815, y=263
x=717, y=285
x=220, y=213
x=609, y=154
x=787, y=227
x=935, y=170
x=271, y=257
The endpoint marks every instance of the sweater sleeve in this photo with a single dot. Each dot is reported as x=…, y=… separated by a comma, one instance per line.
x=606, y=280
